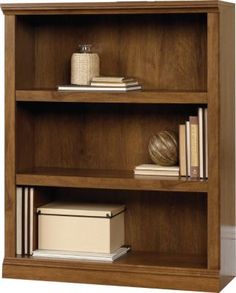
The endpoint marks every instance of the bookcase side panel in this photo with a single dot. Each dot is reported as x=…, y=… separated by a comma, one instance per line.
x=227, y=139
x=213, y=143
x=10, y=189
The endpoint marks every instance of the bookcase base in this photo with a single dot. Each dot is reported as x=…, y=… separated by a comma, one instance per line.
x=168, y=278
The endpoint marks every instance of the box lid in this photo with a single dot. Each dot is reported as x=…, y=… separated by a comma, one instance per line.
x=81, y=209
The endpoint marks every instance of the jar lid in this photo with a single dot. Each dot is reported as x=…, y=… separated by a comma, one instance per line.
x=85, y=48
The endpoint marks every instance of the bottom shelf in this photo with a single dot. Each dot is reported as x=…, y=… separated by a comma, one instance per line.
x=142, y=269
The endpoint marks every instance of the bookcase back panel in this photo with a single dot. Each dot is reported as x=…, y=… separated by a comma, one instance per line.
x=164, y=52
x=161, y=222
x=93, y=136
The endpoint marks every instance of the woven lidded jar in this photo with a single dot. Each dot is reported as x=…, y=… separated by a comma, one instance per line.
x=84, y=66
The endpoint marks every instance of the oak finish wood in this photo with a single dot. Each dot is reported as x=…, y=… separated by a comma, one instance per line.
x=83, y=147
x=213, y=146
x=152, y=56
x=10, y=187
x=140, y=97
x=110, y=179
x=166, y=211
x=97, y=136
x=227, y=133
x=169, y=278
x=112, y=8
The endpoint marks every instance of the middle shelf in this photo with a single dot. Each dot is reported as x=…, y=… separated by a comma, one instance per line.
x=137, y=97
x=108, y=179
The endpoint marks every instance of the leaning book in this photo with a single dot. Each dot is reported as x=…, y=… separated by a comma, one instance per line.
x=90, y=256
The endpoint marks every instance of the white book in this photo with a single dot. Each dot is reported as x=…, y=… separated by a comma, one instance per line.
x=19, y=219
x=201, y=142
x=154, y=167
x=26, y=219
x=156, y=173
x=91, y=256
x=114, y=84
x=188, y=146
x=206, y=141
x=31, y=219
x=98, y=88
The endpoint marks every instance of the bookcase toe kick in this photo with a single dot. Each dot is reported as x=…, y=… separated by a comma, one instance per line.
x=140, y=276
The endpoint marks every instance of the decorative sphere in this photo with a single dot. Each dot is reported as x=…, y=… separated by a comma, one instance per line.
x=163, y=148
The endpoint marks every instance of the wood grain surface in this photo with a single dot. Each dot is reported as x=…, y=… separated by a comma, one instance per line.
x=146, y=51
x=136, y=97
x=10, y=160
x=84, y=146
x=112, y=8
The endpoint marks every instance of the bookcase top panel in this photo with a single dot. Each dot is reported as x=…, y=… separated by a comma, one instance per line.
x=114, y=7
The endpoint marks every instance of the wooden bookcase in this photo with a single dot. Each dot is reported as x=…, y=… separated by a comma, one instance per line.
x=85, y=145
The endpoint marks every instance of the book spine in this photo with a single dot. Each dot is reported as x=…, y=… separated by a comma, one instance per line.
x=194, y=147
x=201, y=142
x=26, y=218
x=187, y=135
x=206, y=142
x=19, y=220
x=182, y=150
x=31, y=219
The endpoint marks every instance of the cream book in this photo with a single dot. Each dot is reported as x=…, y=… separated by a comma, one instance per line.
x=90, y=256
x=19, y=220
x=31, y=219
x=156, y=173
x=182, y=150
x=194, y=147
x=26, y=220
x=156, y=170
x=154, y=167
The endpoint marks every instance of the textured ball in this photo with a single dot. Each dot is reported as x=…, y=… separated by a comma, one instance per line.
x=163, y=148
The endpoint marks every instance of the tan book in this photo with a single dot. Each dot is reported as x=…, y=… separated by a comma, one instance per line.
x=201, y=142
x=206, y=142
x=194, y=147
x=187, y=134
x=114, y=84
x=111, y=79
x=182, y=150
x=31, y=216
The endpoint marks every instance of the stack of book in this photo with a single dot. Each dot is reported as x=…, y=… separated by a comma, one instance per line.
x=156, y=170
x=193, y=151
x=24, y=220
x=105, y=84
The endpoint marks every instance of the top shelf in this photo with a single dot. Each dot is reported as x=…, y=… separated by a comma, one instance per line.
x=136, y=97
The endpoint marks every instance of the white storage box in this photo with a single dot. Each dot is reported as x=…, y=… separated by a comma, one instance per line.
x=80, y=227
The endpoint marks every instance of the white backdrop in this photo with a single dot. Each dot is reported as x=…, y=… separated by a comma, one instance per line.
x=22, y=286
